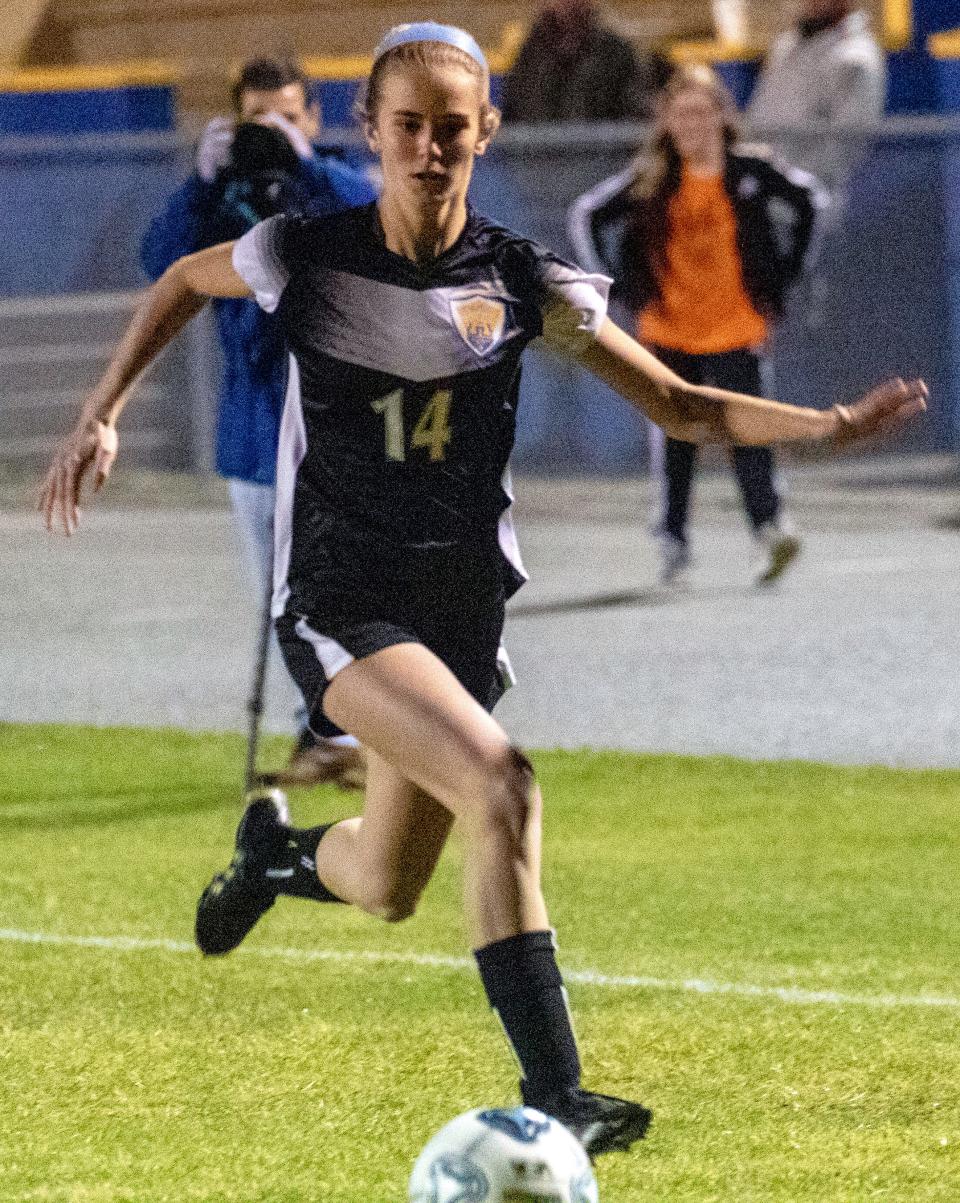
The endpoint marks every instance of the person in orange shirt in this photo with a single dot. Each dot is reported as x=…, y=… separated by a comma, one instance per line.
x=705, y=237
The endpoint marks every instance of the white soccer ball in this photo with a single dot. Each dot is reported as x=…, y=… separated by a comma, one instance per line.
x=498, y=1156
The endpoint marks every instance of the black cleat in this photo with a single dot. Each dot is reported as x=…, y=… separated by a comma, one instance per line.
x=236, y=898
x=600, y=1122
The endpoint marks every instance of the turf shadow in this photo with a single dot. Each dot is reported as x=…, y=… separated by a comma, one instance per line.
x=175, y=804
x=12, y=797
x=596, y=601
x=641, y=599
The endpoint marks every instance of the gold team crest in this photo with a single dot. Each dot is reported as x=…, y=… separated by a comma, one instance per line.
x=480, y=322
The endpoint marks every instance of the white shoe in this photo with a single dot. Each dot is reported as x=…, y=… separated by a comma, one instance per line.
x=781, y=550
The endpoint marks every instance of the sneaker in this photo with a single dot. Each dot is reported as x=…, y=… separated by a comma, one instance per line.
x=236, y=898
x=600, y=1122
x=674, y=559
x=321, y=761
x=781, y=549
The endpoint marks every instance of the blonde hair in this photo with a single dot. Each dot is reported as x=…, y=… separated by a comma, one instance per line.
x=431, y=56
x=660, y=161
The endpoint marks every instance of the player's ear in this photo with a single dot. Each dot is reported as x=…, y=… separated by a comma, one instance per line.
x=489, y=124
x=372, y=135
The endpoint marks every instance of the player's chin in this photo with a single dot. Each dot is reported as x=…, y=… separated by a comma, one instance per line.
x=434, y=189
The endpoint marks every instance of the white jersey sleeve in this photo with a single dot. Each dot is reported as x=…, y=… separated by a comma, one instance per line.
x=256, y=260
x=574, y=305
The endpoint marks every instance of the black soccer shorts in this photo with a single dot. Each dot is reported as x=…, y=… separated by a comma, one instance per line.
x=460, y=623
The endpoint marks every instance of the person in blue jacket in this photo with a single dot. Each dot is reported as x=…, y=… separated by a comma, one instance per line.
x=270, y=97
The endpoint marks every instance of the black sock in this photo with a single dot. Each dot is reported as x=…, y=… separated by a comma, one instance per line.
x=297, y=875
x=524, y=986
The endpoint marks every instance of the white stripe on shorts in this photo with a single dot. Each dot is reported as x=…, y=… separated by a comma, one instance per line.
x=290, y=454
x=508, y=678
x=332, y=656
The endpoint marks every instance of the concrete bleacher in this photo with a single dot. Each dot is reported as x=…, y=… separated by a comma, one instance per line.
x=111, y=30
x=214, y=31
x=20, y=20
x=205, y=39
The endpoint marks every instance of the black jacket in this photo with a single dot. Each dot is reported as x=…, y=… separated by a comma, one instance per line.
x=775, y=208
x=605, y=79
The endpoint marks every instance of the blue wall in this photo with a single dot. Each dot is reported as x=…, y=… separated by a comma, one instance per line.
x=76, y=204
x=88, y=111
x=139, y=108
x=76, y=208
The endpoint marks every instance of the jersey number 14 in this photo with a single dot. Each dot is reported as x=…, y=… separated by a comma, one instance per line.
x=432, y=429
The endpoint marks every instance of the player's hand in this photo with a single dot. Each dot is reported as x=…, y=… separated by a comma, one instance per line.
x=90, y=446
x=883, y=409
x=213, y=149
x=296, y=137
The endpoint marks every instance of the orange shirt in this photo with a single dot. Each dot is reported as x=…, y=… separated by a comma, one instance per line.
x=704, y=307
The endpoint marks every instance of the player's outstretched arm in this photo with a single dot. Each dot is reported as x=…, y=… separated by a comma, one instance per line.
x=697, y=414
x=167, y=306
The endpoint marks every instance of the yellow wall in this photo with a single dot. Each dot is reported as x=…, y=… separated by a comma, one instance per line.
x=897, y=24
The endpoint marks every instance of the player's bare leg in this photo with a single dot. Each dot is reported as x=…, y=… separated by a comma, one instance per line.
x=436, y=755
x=454, y=761
x=382, y=861
x=424, y=726
x=410, y=710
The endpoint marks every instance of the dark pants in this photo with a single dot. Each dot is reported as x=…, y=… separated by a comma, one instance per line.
x=738, y=371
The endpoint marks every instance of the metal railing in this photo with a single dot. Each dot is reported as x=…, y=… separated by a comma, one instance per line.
x=52, y=349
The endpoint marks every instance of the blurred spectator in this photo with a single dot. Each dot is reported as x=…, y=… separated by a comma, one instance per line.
x=572, y=67
x=733, y=21
x=827, y=69
x=690, y=235
x=249, y=166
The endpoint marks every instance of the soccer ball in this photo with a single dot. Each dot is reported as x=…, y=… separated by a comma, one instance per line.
x=517, y=1156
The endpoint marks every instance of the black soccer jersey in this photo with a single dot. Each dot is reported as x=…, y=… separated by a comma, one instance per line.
x=402, y=397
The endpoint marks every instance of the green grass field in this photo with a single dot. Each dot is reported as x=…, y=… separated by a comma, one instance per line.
x=141, y=1073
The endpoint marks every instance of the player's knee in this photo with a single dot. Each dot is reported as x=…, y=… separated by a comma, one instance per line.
x=391, y=901
x=396, y=910
x=508, y=799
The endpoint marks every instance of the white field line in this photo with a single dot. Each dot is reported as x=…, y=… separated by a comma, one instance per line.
x=580, y=977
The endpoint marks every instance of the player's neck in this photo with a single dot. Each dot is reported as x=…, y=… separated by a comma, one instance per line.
x=418, y=235
x=708, y=160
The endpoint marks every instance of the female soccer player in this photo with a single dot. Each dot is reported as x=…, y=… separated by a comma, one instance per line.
x=406, y=321
x=712, y=236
